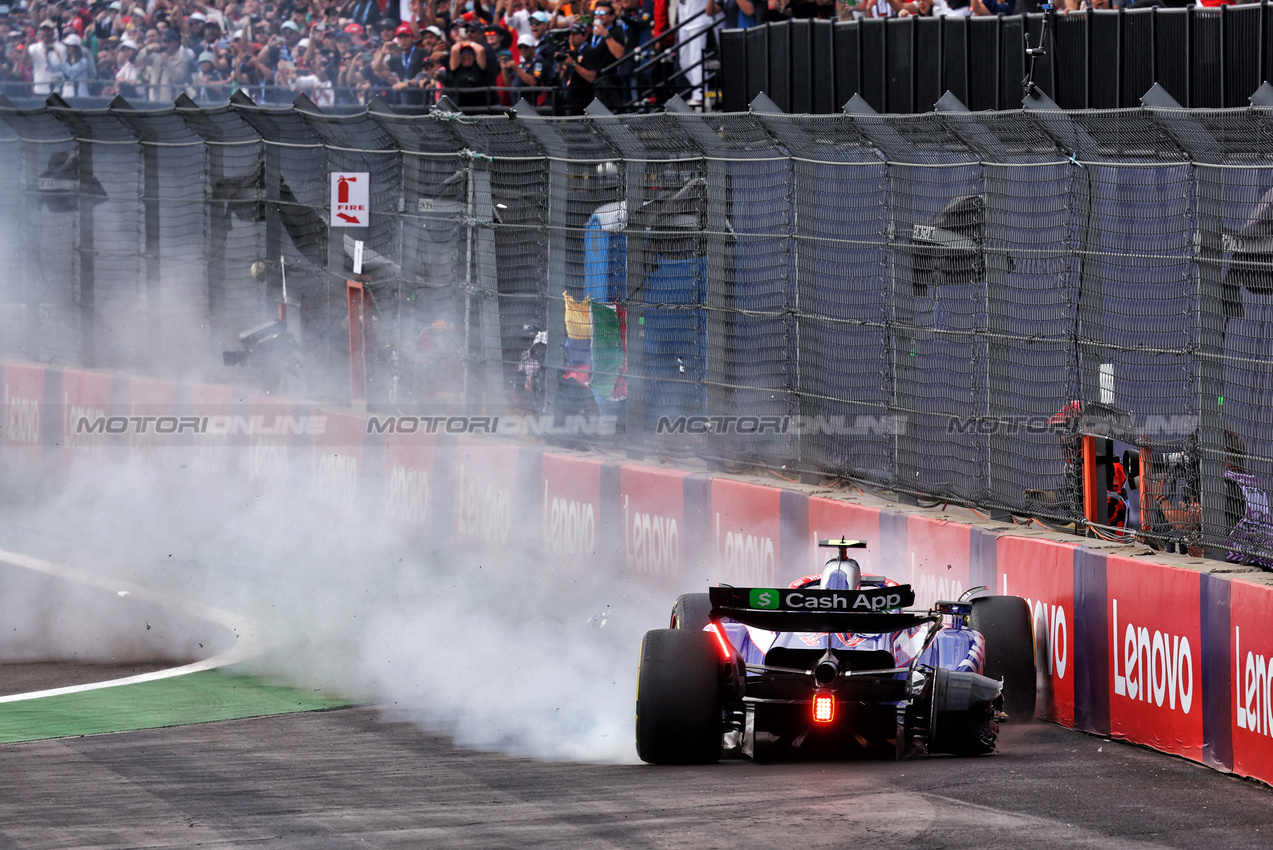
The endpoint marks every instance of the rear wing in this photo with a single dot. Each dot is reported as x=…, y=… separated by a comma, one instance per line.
x=867, y=611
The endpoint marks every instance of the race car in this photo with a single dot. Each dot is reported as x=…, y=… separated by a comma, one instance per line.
x=837, y=664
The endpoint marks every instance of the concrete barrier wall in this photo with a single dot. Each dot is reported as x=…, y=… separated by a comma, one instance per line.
x=1176, y=656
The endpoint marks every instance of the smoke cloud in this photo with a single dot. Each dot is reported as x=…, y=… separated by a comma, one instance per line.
x=501, y=649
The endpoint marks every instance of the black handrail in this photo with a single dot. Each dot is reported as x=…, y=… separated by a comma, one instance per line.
x=646, y=46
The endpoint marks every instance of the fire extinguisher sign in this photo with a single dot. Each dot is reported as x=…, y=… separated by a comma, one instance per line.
x=351, y=198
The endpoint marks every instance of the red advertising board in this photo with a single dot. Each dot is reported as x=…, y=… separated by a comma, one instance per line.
x=23, y=420
x=1155, y=648
x=152, y=418
x=1251, y=674
x=272, y=427
x=407, y=478
x=834, y=518
x=571, y=507
x=1042, y=572
x=653, y=516
x=212, y=407
x=486, y=488
x=86, y=402
x=939, y=558
x=336, y=461
x=746, y=531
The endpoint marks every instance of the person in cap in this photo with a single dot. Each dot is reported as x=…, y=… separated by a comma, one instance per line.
x=38, y=54
x=467, y=78
x=280, y=48
x=73, y=67
x=581, y=65
x=291, y=32
x=610, y=39
x=507, y=78
x=211, y=36
x=209, y=81
x=106, y=58
x=172, y=69
x=498, y=38
x=127, y=74
x=405, y=57
x=397, y=61
x=356, y=32
x=433, y=41
x=106, y=23
x=195, y=23
x=536, y=69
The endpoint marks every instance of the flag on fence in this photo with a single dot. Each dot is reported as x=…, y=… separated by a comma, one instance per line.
x=607, y=349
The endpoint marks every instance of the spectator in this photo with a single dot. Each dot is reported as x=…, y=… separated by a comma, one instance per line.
x=507, y=76
x=467, y=71
x=73, y=68
x=398, y=63
x=365, y=13
x=387, y=30
x=536, y=70
x=171, y=68
x=539, y=26
x=696, y=20
x=517, y=18
x=610, y=40
x=209, y=82
x=107, y=24
x=39, y=54
x=127, y=75
x=13, y=67
x=212, y=35
x=920, y=8
x=433, y=41
x=579, y=68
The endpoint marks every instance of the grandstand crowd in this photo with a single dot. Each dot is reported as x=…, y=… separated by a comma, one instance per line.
x=558, y=54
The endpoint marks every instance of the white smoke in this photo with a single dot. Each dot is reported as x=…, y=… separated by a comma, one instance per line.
x=501, y=650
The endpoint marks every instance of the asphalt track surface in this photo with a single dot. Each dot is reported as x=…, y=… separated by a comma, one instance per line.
x=349, y=778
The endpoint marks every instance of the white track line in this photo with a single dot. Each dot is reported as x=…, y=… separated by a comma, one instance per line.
x=249, y=641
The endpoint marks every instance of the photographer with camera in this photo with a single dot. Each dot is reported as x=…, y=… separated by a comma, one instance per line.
x=580, y=65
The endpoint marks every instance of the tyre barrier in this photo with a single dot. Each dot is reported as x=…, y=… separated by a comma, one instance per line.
x=1174, y=653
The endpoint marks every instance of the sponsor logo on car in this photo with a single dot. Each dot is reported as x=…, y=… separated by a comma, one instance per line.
x=764, y=598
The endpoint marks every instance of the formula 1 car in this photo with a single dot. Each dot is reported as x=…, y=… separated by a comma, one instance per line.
x=835, y=665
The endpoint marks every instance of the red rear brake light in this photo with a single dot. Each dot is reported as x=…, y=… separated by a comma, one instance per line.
x=721, y=639
x=823, y=708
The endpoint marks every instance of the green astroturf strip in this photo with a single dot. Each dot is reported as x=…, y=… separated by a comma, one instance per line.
x=193, y=698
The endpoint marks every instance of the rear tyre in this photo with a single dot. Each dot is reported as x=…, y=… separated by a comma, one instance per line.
x=692, y=611
x=678, y=698
x=1005, y=623
x=962, y=713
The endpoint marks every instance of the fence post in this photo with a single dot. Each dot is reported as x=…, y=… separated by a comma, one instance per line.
x=87, y=250
x=1212, y=324
x=549, y=138
x=899, y=298
x=634, y=168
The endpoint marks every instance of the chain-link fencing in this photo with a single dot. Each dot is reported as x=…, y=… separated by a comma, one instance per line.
x=944, y=305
